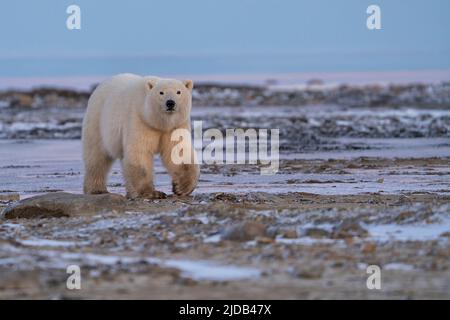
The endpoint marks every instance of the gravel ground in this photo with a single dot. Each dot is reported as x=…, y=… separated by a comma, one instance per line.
x=341, y=201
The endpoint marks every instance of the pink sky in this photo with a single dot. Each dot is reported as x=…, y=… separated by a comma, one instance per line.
x=382, y=77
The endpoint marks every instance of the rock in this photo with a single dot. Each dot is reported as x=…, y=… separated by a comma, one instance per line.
x=273, y=232
x=405, y=216
x=245, y=231
x=62, y=204
x=317, y=233
x=264, y=240
x=308, y=272
x=290, y=234
x=445, y=234
x=286, y=233
x=8, y=197
x=221, y=196
x=369, y=248
x=22, y=100
x=349, y=229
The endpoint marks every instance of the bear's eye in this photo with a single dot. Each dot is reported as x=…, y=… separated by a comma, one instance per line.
x=161, y=93
x=178, y=92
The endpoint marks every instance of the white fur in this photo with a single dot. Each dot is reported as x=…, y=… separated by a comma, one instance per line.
x=127, y=119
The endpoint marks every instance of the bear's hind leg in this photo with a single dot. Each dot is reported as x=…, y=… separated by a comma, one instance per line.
x=97, y=166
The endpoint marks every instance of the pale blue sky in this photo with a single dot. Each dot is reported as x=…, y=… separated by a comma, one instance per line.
x=222, y=36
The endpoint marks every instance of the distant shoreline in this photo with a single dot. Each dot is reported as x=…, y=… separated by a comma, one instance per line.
x=283, y=80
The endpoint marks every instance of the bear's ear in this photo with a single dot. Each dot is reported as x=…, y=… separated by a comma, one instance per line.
x=151, y=84
x=189, y=84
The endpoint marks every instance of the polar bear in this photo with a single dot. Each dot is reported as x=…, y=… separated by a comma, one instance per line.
x=132, y=118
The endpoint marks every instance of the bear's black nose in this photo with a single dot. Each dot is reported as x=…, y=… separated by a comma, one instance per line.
x=170, y=104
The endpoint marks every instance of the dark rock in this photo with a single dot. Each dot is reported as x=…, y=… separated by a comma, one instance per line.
x=290, y=234
x=445, y=234
x=221, y=196
x=349, y=229
x=308, y=272
x=61, y=204
x=316, y=233
x=245, y=231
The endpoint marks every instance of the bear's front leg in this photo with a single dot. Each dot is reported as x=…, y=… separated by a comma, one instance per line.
x=185, y=175
x=138, y=174
x=185, y=179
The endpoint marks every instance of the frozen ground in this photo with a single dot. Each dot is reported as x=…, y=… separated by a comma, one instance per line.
x=38, y=166
x=340, y=202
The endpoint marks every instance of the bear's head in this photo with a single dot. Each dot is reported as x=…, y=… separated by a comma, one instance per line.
x=168, y=102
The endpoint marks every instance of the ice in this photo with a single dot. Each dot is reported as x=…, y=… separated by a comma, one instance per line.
x=201, y=270
x=34, y=242
x=409, y=232
x=398, y=266
x=215, y=238
x=308, y=241
x=42, y=165
x=205, y=270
